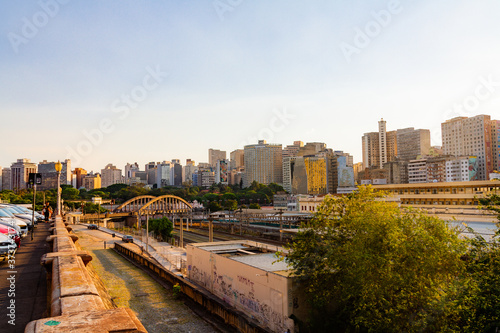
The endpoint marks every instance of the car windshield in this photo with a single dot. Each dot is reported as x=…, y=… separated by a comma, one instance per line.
x=15, y=209
x=19, y=209
x=5, y=213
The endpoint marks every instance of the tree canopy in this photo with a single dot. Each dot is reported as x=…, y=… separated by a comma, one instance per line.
x=369, y=266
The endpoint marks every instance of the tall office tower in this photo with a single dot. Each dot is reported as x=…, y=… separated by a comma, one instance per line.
x=371, y=150
x=111, y=175
x=214, y=155
x=175, y=173
x=163, y=174
x=6, y=179
x=495, y=143
x=464, y=136
x=292, y=150
x=49, y=174
x=20, y=171
x=263, y=163
x=78, y=174
x=237, y=159
x=412, y=143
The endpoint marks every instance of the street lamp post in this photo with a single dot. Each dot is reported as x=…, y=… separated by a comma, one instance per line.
x=58, y=167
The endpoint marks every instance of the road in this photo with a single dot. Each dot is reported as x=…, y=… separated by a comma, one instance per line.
x=129, y=286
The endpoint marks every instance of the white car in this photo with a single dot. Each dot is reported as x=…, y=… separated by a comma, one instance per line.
x=14, y=213
x=7, y=213
x=7, y=246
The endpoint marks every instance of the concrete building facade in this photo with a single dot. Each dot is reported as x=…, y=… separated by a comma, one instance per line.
x=6, y=179
x=20, y=171
x=412, y=143
x=111, y=175
x=92, y=181
x=49, y=174
x=263, y=163
x=214, y=155
x=472, y=136
x=246, y=275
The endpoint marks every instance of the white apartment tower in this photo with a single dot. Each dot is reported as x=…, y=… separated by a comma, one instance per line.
x=382, y=139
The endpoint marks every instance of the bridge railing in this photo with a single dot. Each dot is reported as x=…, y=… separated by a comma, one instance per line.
x=75, y=303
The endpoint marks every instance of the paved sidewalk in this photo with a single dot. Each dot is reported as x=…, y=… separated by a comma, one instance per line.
x=170, y=257
x=28, y=290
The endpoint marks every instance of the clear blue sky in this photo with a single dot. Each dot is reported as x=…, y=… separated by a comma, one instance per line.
x=158, y=80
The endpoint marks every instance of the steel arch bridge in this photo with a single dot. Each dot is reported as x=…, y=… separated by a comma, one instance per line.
x=148, y=204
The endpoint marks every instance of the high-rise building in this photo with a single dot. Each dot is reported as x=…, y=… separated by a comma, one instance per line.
x=6, y=179
x=20, y=171
x=92, y=181
x=214, y=155
x=130, y=170
x=163, y=174
x=175, y=173
x=495, y=144
x=371, y=150
x=111, y=175
x=412, y=143
x=263, y=163
x=222, y=172
x=472, y=136
x=188, y=170
x=382, y=139
x=49, y=174
x=78, y=174
x=292, y=150
x=237, y=159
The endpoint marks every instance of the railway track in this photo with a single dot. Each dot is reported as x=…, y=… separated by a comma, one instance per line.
x=200, y=235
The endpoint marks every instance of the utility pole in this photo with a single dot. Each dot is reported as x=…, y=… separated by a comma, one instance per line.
x=210, y=229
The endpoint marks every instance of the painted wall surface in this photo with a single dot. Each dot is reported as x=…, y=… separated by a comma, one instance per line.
x=265, y=297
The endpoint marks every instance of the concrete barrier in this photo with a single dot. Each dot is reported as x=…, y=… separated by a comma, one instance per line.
x=75, y=304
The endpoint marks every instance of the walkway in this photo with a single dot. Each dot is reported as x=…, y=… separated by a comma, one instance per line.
x=28, y=291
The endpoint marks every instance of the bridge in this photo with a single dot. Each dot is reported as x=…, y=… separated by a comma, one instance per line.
x=135, y=209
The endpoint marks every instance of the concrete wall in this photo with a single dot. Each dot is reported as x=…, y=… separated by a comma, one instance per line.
x=266, y=296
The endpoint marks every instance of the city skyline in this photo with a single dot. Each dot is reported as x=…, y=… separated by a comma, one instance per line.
x=123, y=82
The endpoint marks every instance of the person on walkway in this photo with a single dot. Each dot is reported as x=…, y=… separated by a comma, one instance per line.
x=47, y=211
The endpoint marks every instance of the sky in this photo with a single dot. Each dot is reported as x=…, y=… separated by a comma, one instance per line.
x=137, y=81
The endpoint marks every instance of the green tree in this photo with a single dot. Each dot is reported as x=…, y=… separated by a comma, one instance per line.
x=214, y=206
x=254, y=206
x=70, y=193
x=162, y=227
x=479, y=300
x=368, y=266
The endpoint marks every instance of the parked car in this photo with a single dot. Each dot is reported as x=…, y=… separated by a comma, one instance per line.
x=5, y=217
x=12, y=232
x=128, y=239
x=93, y=226
x=7, y=246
